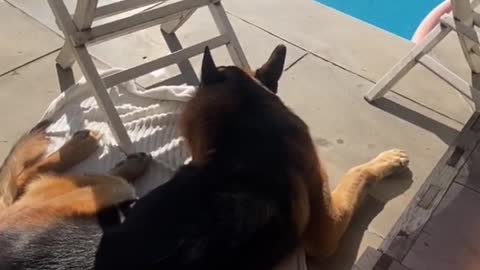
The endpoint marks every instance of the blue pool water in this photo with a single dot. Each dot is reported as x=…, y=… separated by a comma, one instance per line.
x=400, y=17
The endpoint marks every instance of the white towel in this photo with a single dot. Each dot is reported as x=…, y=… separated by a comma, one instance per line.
x=150, y=117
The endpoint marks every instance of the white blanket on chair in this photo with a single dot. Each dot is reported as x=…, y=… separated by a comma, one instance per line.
x=150, y=117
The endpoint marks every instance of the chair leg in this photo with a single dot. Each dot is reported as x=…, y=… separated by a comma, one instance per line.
x=65, y=77
x=65, y=61
x=463, y=12
x=185, y=66
x=398, y=71
x=475, y=91
x=103, y=99
x=224, y=26
x=85, y=14
x=174, y=25
x=65, y=58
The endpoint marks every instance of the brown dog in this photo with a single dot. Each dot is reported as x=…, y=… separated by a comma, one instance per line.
x=254, y=191
x=48, y=220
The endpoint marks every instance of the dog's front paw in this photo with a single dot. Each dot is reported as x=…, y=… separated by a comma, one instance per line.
x=389, y=162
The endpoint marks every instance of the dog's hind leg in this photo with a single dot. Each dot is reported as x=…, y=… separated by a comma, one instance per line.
x=82, y=144
x=331, y=216
x=55, y=198
x=67, y=196
x=52, y=198
x=28, y=150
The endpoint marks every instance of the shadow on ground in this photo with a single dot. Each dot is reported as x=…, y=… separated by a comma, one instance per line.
x=445, y=133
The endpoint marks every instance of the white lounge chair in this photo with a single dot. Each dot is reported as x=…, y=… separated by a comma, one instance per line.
x=171, y=15
x=401, y=239
x=463, y=21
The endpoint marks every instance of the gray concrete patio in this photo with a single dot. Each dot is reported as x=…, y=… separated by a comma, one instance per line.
x=332, y=61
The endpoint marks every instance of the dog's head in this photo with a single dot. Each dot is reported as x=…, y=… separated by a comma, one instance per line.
x=227, y=97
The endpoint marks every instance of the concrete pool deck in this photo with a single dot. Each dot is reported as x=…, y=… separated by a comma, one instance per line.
x=332, y=61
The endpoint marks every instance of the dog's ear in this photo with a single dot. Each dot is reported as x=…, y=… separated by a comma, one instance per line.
x=272, y=70
x=210, y=73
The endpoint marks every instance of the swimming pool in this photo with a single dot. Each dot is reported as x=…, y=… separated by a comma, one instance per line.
x=400, y=17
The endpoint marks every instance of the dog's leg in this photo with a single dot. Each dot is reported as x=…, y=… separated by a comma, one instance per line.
x=82, y=144
x=29, y=149
x=50, y=186
x=347, y=196
x=53, y=198
x=79, y=195
x=330, y=216
x=58, y=197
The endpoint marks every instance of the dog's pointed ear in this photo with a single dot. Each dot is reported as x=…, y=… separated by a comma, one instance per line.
x=272, y=70
x=210, y=74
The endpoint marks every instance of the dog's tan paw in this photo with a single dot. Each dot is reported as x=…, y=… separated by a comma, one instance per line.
x=86, y=136
x=390, y=162
x=84, y=142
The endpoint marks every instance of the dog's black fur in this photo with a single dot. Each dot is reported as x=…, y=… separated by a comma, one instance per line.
x=67, y=245
x=231, y=207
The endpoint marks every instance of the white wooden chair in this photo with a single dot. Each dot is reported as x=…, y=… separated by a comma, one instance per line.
x=171, y=15
x=463, y=21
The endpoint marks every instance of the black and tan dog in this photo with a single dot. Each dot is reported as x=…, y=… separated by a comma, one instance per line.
x=49, y=220
x=254, y=191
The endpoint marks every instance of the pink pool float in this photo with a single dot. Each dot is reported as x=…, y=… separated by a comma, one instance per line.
x=431, y=20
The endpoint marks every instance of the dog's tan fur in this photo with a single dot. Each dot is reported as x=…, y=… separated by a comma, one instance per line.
x=331, y=212
x=34, y=193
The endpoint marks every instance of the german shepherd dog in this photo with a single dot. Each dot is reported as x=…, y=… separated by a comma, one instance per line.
x=48, y=220
x=254, y=191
